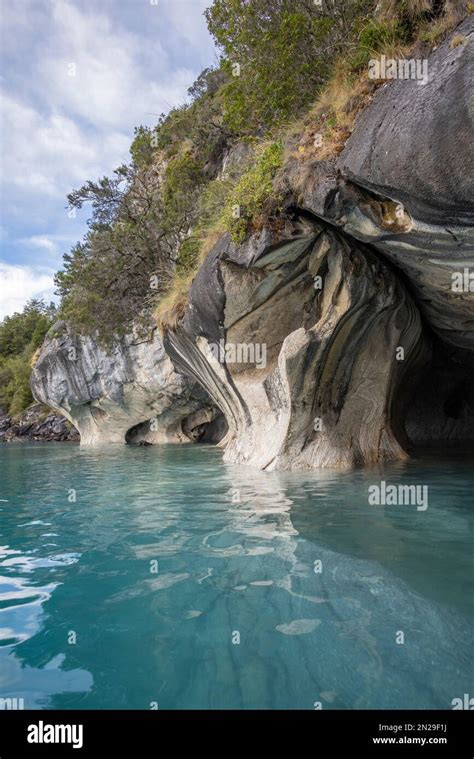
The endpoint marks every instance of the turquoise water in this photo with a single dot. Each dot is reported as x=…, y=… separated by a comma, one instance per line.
x=235, y=615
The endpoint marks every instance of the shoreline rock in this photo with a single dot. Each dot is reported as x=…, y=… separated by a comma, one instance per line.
x=129, y=393
x=329, y=395
x=385, y=226
x=37, y=423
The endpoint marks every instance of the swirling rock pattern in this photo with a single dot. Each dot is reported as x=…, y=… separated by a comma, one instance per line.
x=387, y=227
x=128, y=393
x=327, y=394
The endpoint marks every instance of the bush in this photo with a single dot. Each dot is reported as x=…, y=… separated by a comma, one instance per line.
x=285, y=50
x=253, y=189
x=376, y=37
x=183, y=176
x=15, y=393
x=143, y=147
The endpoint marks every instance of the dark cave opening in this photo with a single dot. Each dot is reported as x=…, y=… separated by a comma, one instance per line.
x=199, y=427
x=440, y=410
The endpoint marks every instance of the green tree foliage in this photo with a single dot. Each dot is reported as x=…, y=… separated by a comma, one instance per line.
x=282, y=52
x=143, y=147
x=140, y=218
x=110, y=278
x=20, y=336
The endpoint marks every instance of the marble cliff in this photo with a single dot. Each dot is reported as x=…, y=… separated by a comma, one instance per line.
x=352, y=307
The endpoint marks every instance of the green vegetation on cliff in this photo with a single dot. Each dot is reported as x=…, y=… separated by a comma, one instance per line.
x=255, y=186
x=289, y=69
x=20, y=337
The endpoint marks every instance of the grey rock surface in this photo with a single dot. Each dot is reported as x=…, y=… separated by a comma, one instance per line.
x=37, y=423
x=108, y=394
x=326, y=394
x=388, y=227
x=405, y=184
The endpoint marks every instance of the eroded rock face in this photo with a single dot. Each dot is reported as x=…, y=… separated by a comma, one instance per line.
x=388, y=227
x=128, y=394
x=405, y=184
x=338, y=332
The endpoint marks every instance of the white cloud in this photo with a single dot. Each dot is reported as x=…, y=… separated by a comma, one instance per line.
x=104, y=74
x=84, y=125
x=53, y=244
x=49, y=153
x=40, y=241
x=132, y=61
x=19, y=283
x=187, y=18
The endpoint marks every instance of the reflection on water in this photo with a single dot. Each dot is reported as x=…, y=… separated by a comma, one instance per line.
x=195, y=584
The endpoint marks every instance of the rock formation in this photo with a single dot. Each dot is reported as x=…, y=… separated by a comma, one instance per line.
x=338, y=332
x=369, y=343
x=404, y=184
x=36, y=423
x=130, y=393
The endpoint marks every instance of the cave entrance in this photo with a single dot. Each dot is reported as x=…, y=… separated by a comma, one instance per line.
x=203, y=426
x=440, y=411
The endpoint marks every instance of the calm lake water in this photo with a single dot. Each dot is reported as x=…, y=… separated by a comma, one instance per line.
x=169, y=557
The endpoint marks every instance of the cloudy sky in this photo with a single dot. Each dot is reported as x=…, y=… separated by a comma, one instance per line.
x=77, y=76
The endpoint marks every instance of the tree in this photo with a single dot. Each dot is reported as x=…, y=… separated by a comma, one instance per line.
x=141, y=216
x=110, y=280
x=279, y=52
x=20, y=336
